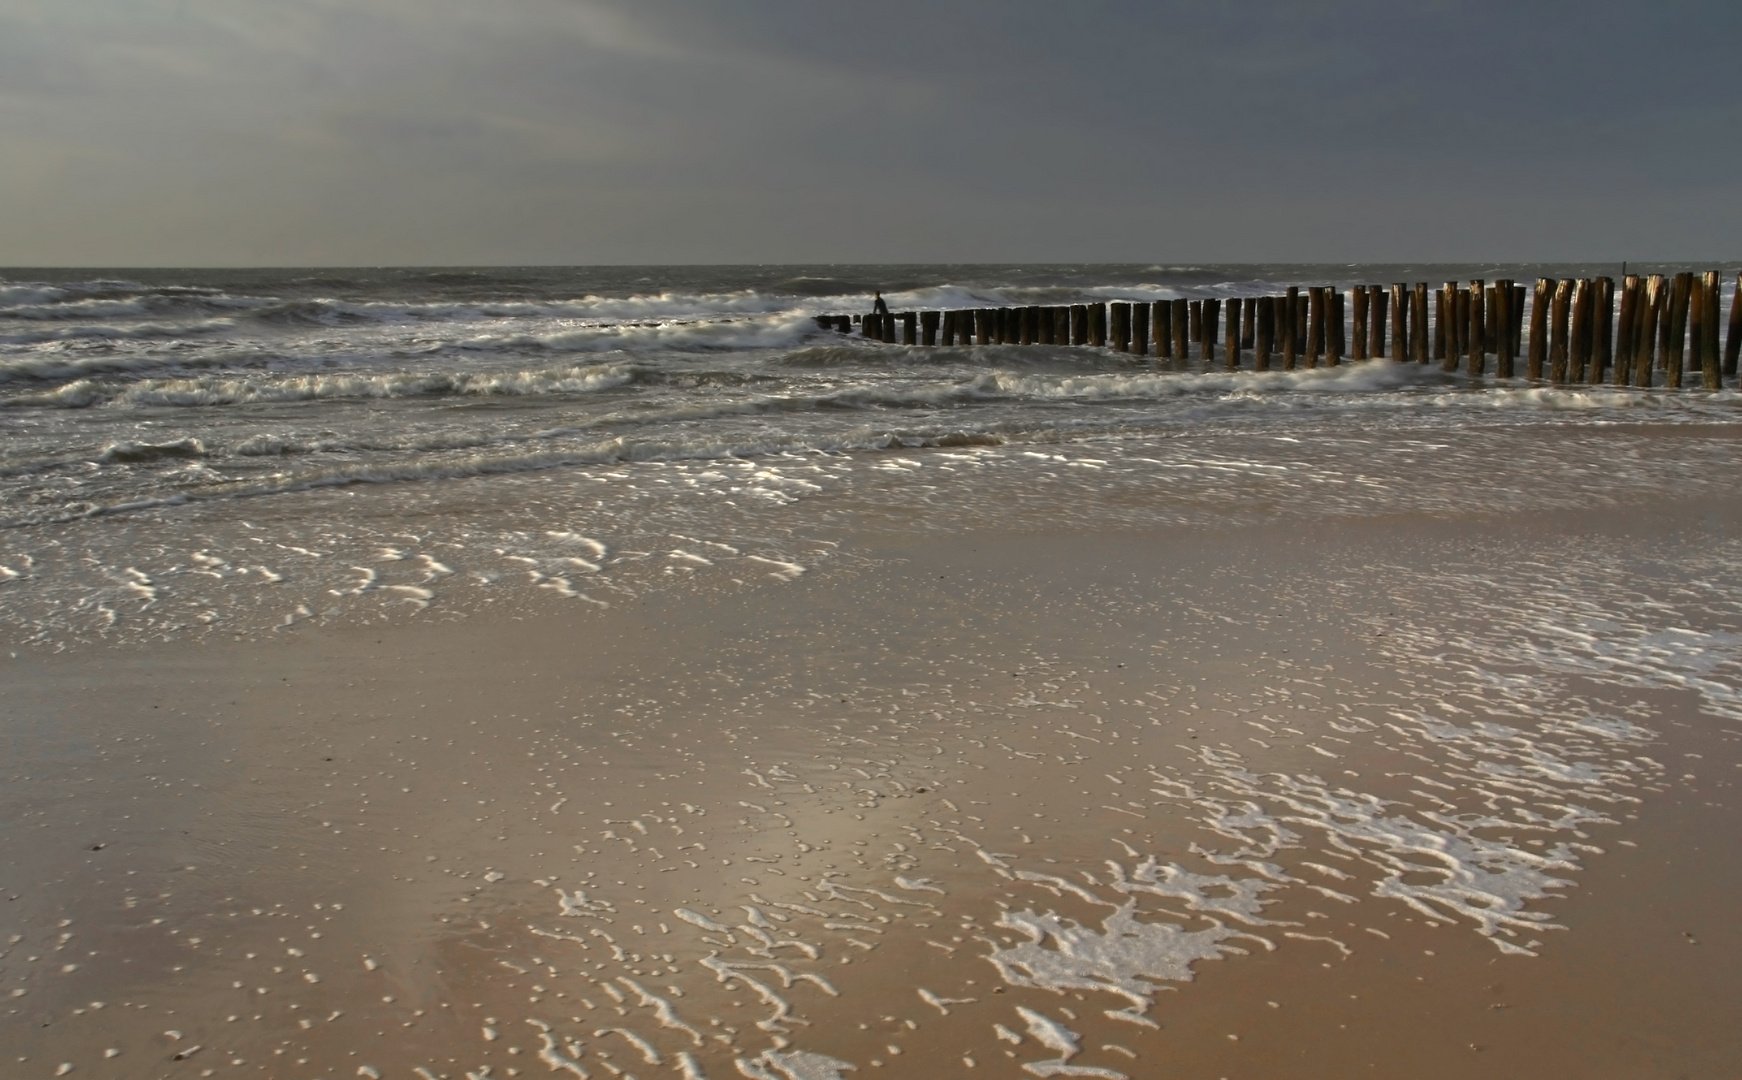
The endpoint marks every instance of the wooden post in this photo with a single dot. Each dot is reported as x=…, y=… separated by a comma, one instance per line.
x=1140, y=329
x=1163, y=319
x=1439, y=345
x=1376, y=308
x=1490, y=324
x=1231, y=342
x=1207, y=347
x=1713, y=365
x=1288, y=315
x=982, y=326
x=1579, y=338
x=1559, y=312
x=1697, y=329
x=1625, y=332
x=1478, y=362
x=910, y=328
x=1180, y=322
x=1399, y=322
x=1733, y=337
x=1315, y=337
x=1539, y=329
x=1121, y=339
x=1650, y=314
x=947, y=332
x=1418, y=334
x=1061, y=316
x=1248, y=324
x=1286, y=308
x=1079, y=324
x=1507, y=319
x=1603, y=330
x=1197, y=321
x=1334, y=342
x=1265, y=332
x=928, y=322
x=1359, y=345
x=1098, y=325
x=1680, y=292
x=1503, y=318
x=1519, y=297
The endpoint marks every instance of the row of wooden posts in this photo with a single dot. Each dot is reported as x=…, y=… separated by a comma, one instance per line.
x=1663, y=327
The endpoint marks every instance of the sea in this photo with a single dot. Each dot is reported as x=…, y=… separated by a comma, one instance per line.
x=187, y=452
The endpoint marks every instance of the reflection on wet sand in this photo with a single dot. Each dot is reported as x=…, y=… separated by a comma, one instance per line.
x=804, y=834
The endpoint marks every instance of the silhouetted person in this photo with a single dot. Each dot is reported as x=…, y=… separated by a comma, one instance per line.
x=878, y=307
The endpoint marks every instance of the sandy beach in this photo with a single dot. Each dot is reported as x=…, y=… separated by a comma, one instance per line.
x=1413, y=795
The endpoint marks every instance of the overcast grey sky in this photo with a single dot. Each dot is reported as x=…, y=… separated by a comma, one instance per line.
x=309, y=132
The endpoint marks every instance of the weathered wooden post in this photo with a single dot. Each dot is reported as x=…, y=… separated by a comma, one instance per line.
x=1062, y=324
x=1579, y=339
x=909, y=328
x=1603, y=330
x=1399, y=322
x=1713, y=368
x=1539, y=329
x=1285, y=310
x=1231, y=342
x=1197, y=310
x=1559, y=315
x=1265, y=332
x=1121, y=340
x=982, y=326
x=1163, y=318
x=1507, y=319
x=1315, y=335
x=1140, y=329
x=1248, y=324
x=1334, y=342
x=1626, y=332
x=1490, y=323
x=1098, y=325
x=1358, y=305
x=1697, y=330
x=1439, y=348
x=1477, y=366
x=947, y=332
x=1376, y=309
x=1079, y=324
x=1733, y=336
x=1650, y=314
x=1295, y=314
x=928, y=321
x=1519, y=298
x=1418, y=334
x=1181, y=324
x=1503, y=318
x=1680, y=291
x=1207, y=347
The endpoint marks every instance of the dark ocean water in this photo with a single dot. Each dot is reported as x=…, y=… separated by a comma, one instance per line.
x=160, y=424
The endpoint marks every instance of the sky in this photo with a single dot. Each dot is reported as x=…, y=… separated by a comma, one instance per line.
x=477, y=132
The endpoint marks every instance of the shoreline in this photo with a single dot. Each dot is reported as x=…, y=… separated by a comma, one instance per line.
x=982, y=669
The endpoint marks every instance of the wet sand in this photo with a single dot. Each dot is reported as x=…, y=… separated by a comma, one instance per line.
x=1398, y=797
